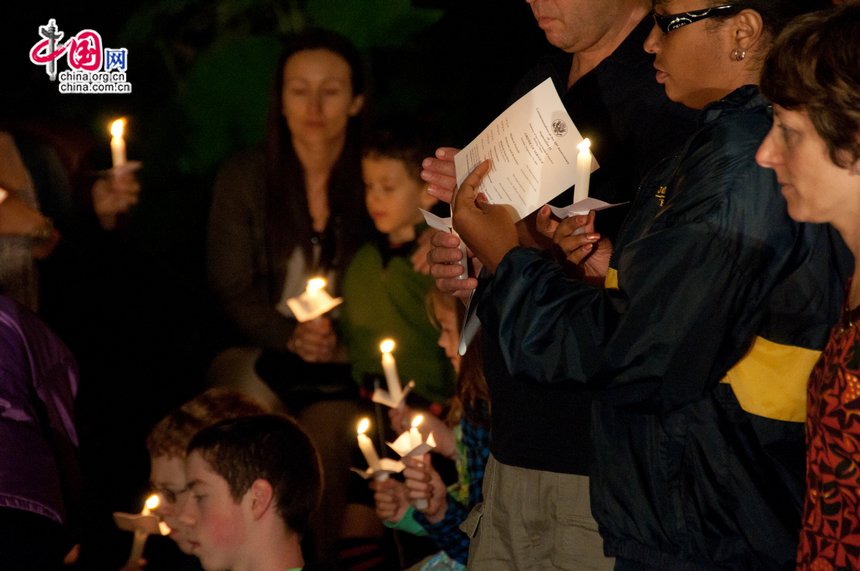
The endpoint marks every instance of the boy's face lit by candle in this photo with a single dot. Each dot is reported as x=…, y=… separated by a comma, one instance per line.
x=217, y=523
x=167, y=476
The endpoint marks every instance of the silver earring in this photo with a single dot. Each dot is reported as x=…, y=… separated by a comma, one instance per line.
x=739, y=54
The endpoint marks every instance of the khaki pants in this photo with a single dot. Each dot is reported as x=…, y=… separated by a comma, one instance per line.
x=532, y=519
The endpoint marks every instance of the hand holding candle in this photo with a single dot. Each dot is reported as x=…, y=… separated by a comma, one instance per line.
x=312, y=303
x=140, y=533
x=117, y=143
x=427, y=491
x=378, y=469
x=415, y=440
x=143, y=525
x=411, y=444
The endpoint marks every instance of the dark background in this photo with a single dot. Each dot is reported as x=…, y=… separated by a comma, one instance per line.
x=137, y=313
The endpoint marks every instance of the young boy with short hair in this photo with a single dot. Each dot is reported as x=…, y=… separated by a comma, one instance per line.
x=383, y=293
x=168, y=441
x=254, y=483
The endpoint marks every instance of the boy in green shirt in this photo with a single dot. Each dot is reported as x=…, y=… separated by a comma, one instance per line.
x=383, y=293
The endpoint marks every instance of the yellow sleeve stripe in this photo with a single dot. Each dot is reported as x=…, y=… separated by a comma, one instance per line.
x=770, y=380
x=611, y=279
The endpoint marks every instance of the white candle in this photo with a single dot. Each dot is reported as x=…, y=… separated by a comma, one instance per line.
x=390, y=369
x=117, y=143
x=366, y=445
x=583, y=171
x=415, y=438
x=139, y=534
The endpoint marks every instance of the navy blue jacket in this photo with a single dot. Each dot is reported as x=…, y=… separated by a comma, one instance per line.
x=698, y=350
x=632, y=125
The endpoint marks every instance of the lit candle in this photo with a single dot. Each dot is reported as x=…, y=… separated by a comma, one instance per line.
x=117, y=143
x=390, y=369
x=415, y=438
x=140, y=535
x=366, y=445
x=583, y=171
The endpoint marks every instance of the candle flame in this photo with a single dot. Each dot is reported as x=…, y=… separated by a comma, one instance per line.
x=117, y=127
x=163, y=528
x=584, y=146
x=316, y=284
x=387, y=345
x=363, y=425
x=417, y=420
x=151, y=502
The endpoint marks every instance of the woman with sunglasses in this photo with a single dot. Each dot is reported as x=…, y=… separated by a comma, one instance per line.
x=813, y=78
x=715, y=308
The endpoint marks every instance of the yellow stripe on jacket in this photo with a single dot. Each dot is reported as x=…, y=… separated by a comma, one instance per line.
x=611, y=279
x=770, y=380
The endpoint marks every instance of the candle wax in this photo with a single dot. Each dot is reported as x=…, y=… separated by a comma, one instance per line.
x=391, y=377
x=369, y=451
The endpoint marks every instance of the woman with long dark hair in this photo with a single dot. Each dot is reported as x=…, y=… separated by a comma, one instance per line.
x=283, y=213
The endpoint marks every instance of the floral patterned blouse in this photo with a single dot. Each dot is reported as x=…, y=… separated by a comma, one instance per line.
x=830, y=536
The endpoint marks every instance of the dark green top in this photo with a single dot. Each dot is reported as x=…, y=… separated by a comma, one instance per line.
x=388, y=300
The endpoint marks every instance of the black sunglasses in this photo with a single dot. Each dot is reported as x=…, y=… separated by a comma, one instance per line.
x=670, y=22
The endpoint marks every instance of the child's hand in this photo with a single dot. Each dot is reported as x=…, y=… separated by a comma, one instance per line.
x=425, y=483
x=443, y=435
x=390, y=499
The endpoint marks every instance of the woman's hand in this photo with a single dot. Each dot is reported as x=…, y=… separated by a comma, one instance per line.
x=487, y=229
x=424, y=483
x=546, y=223
x=390, y=499
x=582, y=246
x=314, y=341
x=438, y=173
